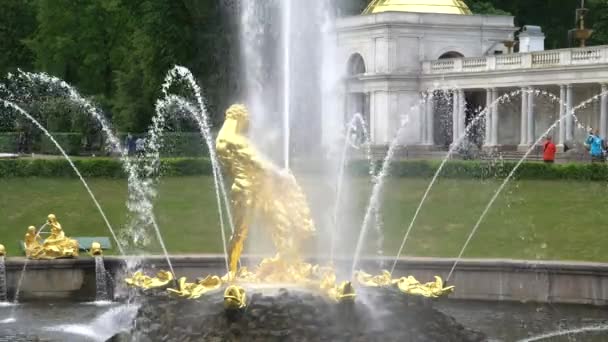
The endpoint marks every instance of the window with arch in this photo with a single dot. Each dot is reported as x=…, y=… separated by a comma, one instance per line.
x=451, y=54
x=356, y=65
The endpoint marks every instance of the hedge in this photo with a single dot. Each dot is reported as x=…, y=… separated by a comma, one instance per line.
x=96, y=167
x=490, y=170
x=112, y=168
x=70, y=142
x=9, y=142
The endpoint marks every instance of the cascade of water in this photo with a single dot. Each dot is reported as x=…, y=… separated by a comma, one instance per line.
x=171, y=100
x=69, y=160
x=286, y=25
x=457, y=142
x=357, y=119
x=377, y=191
x=3, y=297
x=113, y=142
x=558, y=333
x=101, y=285
x=512, y=173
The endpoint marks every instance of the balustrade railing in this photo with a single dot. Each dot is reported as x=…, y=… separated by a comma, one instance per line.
x=540, y=59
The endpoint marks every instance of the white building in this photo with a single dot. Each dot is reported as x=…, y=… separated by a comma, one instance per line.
x=399, y=51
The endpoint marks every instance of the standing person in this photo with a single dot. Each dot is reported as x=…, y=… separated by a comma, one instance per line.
x=140, y=146
x=549, y=151
x=130, y=144
x=596, y=147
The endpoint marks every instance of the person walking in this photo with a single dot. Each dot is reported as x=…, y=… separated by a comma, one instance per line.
x=596, y=147
x=140, y=147
x=549, y=151
x=130, y=144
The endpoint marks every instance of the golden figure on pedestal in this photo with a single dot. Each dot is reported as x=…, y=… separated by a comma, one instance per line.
x=2, y=250
x=260, y=189
x=57, y=245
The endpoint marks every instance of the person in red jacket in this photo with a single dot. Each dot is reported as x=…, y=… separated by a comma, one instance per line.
x=549, y=151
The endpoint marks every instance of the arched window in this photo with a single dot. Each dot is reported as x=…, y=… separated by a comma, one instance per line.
x=451, y=54
x=356, y=65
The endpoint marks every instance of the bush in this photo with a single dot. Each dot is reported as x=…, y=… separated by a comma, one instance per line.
x=183, y=145
x=490, y=170
x=9, y=142
x=112, y=168
x=70, y=142
x=96, y=167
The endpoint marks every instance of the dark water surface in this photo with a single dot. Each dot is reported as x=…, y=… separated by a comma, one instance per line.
x=509, y=321
x=500, y=321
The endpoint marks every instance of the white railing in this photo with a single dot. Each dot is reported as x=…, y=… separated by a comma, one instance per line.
x=540, y=59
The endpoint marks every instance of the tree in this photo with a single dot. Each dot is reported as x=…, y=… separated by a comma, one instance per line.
x=17, y=22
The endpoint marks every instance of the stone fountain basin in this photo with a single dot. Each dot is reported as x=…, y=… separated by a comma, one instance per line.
x=275, y=313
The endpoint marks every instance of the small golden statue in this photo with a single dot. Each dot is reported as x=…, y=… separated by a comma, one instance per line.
x=96, y=249
x=408, y=285
x=235, y=297
x=142, y=281
x=2, y=251
x=262, y=190
x=343, y=293
x=57, y=245
x=196, y=290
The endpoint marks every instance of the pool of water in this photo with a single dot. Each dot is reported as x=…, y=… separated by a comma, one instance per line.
x=93, y=322
x=62, y=321
x=508, y=321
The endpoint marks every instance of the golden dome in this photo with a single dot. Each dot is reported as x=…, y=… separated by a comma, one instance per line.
x=420, y=6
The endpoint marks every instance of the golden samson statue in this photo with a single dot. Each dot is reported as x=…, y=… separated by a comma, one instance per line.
x=262, y=191
x=271, y=196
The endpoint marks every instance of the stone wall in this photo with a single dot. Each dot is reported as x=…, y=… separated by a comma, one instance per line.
x=483, y=279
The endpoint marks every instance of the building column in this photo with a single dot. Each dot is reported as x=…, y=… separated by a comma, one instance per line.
x=604, y=111
x=569, y=119
x=462, y=116
x=488, y=117
x=531, y=138
x=422, y=117
x=455, y=119
x=430, y=116
x=562, y=123
x=523, y=131
x=494, y=117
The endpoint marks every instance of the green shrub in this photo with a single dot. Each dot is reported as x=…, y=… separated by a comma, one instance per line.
x=112, y=168
x=183, y=145
x=9, y=142
x=70, y=142
x=489, y=170
x=96, y=167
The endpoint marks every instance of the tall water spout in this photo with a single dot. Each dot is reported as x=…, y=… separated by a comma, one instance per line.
x=101, y=283
x=3, y=296
x=286, y=25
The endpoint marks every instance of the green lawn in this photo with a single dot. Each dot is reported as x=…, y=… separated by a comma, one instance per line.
x=531, y=220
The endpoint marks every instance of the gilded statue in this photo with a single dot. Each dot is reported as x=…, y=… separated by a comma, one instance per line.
x=2, y=251
x=235, y=297
x=55, y=246
x=408, y=285
x=96, y=249
x=262, y=190
x=196, y=290
x=144, y=282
